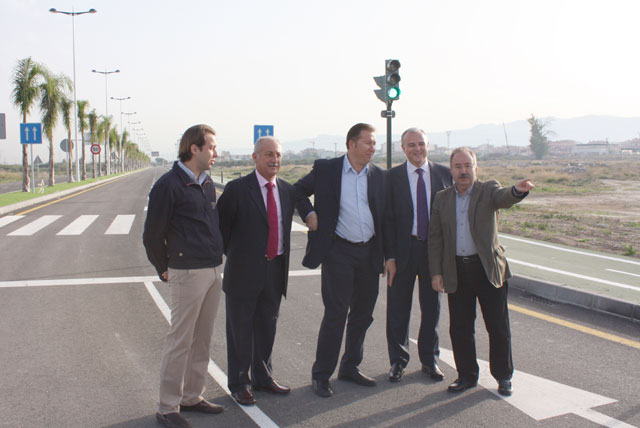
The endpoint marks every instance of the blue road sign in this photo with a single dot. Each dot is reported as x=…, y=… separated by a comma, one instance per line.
x=30, y=133
x=262, y=131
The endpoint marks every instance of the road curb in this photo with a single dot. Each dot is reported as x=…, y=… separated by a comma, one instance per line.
x=35, y=201
x=565, y=294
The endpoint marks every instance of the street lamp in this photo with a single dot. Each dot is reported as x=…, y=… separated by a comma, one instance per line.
x=107, y=152
x=75, y=99
x=121, y=100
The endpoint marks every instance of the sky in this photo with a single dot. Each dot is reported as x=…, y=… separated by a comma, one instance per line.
x=307, y=67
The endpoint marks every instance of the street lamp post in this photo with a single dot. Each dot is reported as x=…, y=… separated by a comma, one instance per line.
x=75, y=98
x=121, y=130
x=107, y=151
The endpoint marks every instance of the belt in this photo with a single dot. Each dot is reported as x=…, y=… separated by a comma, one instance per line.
x=415, y=238
x=345, y=241
x=468, y=259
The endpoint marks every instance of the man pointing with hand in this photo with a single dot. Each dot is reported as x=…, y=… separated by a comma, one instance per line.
x=467, y=262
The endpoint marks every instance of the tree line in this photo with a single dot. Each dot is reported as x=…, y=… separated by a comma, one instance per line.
x=35, y=85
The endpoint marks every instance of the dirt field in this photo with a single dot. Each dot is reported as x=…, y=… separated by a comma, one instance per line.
x=592, y=206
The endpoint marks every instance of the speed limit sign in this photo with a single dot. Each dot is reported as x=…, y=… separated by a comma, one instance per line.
x=95, y=149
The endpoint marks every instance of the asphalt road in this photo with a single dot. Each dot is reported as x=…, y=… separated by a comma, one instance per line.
x=82, y=328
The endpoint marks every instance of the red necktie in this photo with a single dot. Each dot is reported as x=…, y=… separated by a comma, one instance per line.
x=272, y=217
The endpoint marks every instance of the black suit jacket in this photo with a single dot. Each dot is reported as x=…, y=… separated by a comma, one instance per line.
x=400, y=202
x=245, y=231
x=325, y=182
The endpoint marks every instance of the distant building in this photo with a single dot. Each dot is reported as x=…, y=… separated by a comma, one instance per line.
x=591, y=148
x=562, y=147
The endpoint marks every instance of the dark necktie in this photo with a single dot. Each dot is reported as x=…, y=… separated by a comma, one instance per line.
x=272, y=217
x=423, y=208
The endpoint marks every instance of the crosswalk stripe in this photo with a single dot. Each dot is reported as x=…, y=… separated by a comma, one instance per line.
x=35, y=225
x=9, y=219
x=79, y=225
x=121, y=225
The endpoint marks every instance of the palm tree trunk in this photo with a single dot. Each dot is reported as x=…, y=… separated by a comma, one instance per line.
x=25, y=169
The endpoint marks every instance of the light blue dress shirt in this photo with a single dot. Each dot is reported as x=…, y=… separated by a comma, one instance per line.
x=190, y=173
x=464, y=242
x=355, y=222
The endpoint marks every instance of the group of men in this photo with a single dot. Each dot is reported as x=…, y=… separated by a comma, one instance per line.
x=419, y=219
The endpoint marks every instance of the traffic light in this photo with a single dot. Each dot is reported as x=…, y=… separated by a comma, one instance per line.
x=389, y=89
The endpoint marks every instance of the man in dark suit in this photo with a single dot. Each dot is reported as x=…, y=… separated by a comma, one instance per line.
x=349, y=235
x=467, y=262
x=412, y=188
x=255, y=219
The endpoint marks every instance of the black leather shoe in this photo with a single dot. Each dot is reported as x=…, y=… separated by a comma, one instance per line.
x=433, y=371
x=505, y=387
x=244, y=397
x=273, y=387
x=172, y=420
x=203, y=407
x=396, y=372
x=460, y=385
x=322, y=388
x=357, y=377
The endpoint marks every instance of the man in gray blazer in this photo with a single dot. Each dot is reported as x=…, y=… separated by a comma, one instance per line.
x=467, y=262
x=412, y=188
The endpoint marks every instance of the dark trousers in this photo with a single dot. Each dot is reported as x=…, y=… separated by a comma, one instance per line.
x=349, y=293
x=399, y=299
x=472, y=284
x=251, y=330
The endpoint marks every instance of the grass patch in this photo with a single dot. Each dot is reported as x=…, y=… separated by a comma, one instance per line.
x=15, y=197
x=629, y=250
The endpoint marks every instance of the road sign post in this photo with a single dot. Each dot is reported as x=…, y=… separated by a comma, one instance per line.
x=31, y=133
x=262, y=131
x=3, y=127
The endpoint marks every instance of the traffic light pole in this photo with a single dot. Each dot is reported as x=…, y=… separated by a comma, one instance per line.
x=389, y=114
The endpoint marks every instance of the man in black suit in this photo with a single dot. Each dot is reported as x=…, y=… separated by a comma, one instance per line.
x=349, y=235
x=412, y=187
x=255, y=219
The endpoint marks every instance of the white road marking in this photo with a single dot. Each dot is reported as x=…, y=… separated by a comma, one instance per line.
x=568, y=250
x=110, y=280
x=35, y=225
x=121, y=225
x=254, y=412
x=9, y=219
x=575, y=275
x=76, y=281
x=541, y=398
x=621, y=271
x=79, y=225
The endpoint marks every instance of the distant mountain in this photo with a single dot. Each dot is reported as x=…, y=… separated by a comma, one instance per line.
x=582, y=129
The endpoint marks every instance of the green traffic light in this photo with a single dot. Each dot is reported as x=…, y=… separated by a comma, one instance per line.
x=393, y=93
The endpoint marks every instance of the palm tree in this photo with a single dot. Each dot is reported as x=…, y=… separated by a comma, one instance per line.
x=52, y=91
x=65, y=109
x=122, y=142
x=26, y=89
x=114, y=138
x=105, y=127
x=100, y=131
x=93, y=129
x=82, y=126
